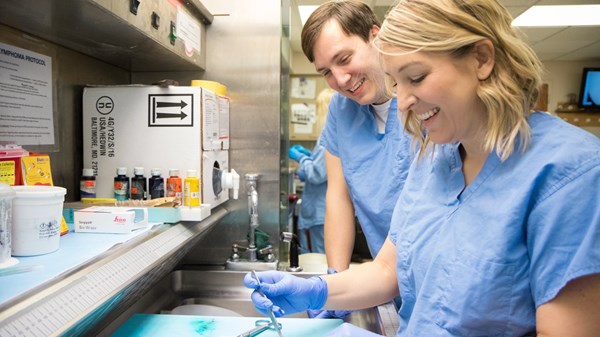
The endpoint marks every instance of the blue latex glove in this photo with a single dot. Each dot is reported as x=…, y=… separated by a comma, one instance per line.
x=302, y=149
x=328, y=313
x=287, y=294
x=349, y=330
x=295, y=154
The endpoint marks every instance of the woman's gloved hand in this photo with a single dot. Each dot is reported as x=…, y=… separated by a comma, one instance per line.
x=349, y=330
x=328, y=313
x=286, y=294
x=295, y=154
x=302, y=149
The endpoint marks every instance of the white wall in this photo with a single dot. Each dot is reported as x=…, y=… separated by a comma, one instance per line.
x=563, y=78
x=301, y=66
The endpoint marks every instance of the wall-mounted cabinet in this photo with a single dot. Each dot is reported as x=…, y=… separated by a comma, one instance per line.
x=131, y=34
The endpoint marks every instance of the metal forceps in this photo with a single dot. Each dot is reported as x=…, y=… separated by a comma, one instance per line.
x=274, y=323
x=261, y=326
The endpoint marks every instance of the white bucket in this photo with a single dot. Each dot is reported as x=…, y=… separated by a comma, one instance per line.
x=37, y=216
x=6, y=198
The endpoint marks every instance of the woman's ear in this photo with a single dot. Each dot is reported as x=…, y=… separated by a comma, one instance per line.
x=485, y=55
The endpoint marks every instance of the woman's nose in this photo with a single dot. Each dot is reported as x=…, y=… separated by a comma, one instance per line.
x=405, y=99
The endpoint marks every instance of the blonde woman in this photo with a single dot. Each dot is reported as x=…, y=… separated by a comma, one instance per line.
x=312, y=171
x=497, y=228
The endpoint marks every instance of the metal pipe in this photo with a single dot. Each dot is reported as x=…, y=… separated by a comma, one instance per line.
x=294, y=251
x=251, y=187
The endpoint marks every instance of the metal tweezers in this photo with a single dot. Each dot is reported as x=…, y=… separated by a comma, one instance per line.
x=261, y=326
x=276, y=325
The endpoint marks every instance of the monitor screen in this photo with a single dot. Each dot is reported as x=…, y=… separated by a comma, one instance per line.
x=589, y=94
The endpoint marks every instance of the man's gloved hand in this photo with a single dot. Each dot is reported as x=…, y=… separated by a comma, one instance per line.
x=302, y=149
x=349, y=330
x=287, y=294
x=295, y=154
x=328, y=313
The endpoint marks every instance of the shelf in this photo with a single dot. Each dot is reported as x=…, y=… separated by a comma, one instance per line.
x=84, y=298
x=107, y=30
x=582, y=119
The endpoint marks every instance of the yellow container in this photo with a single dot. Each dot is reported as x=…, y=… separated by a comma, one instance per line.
x=191, y=190
x=213, y=86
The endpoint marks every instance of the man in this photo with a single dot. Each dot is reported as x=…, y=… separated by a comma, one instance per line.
x=367, y=151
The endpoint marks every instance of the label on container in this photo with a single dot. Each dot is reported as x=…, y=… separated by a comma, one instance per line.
x=121, y=190
x=138, y=191
x=174, y=188
x=87, y=188
x=191, y=196
x=157, y=188
x=8, y=171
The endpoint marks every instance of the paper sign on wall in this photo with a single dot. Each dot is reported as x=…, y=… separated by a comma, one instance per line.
x=304, y=117
x=25, y=97
x=303, y=87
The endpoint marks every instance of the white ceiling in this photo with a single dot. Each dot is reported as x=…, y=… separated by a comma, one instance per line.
x=551, y=44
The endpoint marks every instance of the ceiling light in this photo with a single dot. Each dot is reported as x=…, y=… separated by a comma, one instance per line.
x=552, y=16
x=305, y=12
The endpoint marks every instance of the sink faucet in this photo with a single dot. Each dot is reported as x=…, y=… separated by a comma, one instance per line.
x=267, y=261
x=294, y=251
x=251, y=180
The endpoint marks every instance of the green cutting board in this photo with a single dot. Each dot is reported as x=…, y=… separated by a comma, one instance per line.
x=147, y=325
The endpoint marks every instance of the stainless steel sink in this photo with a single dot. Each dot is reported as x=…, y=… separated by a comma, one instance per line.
x=225, y=289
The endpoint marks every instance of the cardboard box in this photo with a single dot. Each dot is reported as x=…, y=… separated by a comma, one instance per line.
x=36, y=170
x=146, y=126
x=214, y=163
x=215, y=121
x=155, y=214
x=224, y=122
x=107, y=219
x=210, y=121
x=151, y=127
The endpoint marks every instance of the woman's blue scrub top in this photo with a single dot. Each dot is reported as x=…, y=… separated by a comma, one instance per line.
x=313, y=170
x=478, y=261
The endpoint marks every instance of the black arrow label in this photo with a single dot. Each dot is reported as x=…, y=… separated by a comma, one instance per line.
x=170, y=104
x=168, y=115
x=171, y=110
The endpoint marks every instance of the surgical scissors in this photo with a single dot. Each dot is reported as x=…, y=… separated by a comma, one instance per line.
x=276, y=325
x=261, y=326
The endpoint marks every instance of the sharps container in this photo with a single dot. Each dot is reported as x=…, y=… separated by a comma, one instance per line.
x=6, y=199
x=37, y=216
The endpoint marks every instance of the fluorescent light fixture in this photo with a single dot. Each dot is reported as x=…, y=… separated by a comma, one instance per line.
x=552, y=16
x=305, y=12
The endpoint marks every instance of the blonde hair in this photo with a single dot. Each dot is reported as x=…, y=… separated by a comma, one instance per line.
x=453, y=27
x=323, y=100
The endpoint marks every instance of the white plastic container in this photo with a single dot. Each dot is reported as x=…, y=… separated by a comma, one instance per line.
x=6, y=198
x=37, y=215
